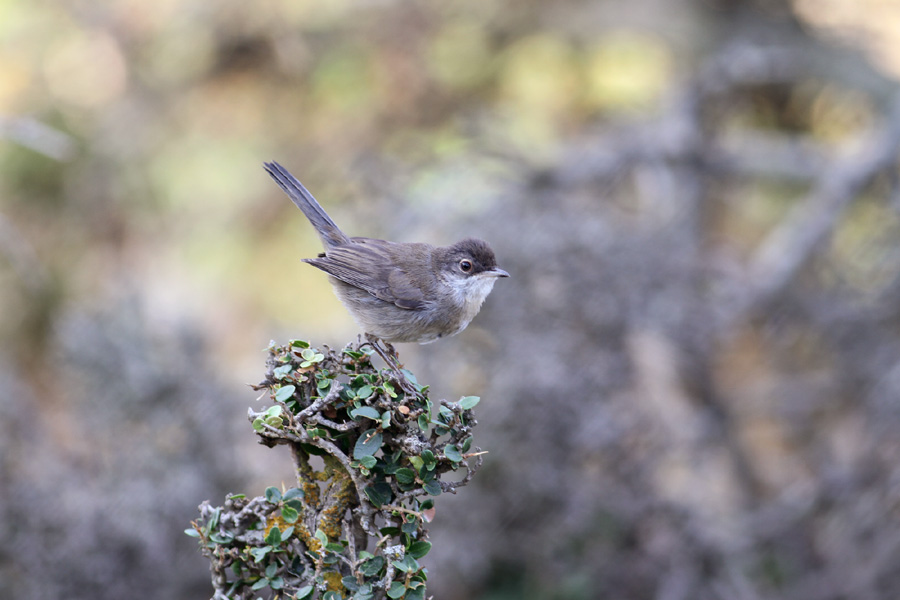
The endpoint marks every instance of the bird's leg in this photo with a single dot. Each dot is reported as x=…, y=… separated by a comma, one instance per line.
x=389, y=355
x=387, y=352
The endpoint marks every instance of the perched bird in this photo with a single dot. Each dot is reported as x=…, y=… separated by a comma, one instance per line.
x=398, y=292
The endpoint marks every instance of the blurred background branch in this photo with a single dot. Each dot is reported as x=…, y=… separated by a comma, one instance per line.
x=38, y=137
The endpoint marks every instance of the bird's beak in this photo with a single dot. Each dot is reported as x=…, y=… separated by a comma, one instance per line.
x=496, y=272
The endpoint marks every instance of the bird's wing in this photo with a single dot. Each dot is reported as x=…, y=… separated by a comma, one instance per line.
x=370, y=268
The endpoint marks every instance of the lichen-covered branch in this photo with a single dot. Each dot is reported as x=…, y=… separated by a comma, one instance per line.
x=369, y=450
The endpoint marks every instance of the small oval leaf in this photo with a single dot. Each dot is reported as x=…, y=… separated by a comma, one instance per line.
x=469, y=402
x=419, y=549
x=284, y=392
x=369, y=443
x=452, y=453
x=369, y=412
x=273, y=495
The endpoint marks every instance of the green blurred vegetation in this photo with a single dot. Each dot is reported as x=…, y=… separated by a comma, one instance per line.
x=170, y=108
x=146, y=259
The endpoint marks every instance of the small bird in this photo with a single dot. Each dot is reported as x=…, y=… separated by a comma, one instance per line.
x=398, y=292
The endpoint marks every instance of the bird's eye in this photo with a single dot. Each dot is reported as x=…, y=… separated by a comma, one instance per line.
x=465, y=266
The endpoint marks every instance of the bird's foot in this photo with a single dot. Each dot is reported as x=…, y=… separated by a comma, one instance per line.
x=389, y=355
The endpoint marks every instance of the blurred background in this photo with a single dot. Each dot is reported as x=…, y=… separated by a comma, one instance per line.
x=690, y=384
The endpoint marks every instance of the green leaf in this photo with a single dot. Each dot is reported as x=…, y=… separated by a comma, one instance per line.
x=364, y=392
x=260, y=584
x=282, y=371
x=192, y=532
x=417, y=462
x=396, y=590
x=430, y=460
x=236, y=496
x=317, y=432
x=368, y=461
x=276, y=583
x=284, y=392
x=271, y=570
x=258, y=424
x=334, y=547
x=452, y=453
x=419, y=549
x=378, y=493
x=469, y=402
x=320, y=535
x=407, y=564
x=310, y=357
x=386, y=419
x=401, y=566
x=293, y=493
x=221, y=538
x=273, y=495
x=214, y=519
x=391, y=463
x=423, y=421
x=331, y=596
x=467, y=443
x=433, y=488
x=274, y=536
x=410, y=527
x=368, y=444
x=287, y=533
x=409, y=375
x=373, y=566
x=416, y=594
x=290, y=515
x=365, y=592
x=405, y=476
x=260, y=553
x=350, y=583
x=304, y=592
x=389, y=390
x=299, y=344
x=369, y=412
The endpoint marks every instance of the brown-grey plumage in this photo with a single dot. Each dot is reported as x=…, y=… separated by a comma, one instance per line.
x=399, y=292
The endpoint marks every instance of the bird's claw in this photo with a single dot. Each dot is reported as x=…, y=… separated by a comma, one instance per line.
x=388, y=354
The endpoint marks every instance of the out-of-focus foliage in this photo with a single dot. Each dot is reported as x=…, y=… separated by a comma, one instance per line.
x=692, y=371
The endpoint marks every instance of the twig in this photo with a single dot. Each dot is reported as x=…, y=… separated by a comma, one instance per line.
x=792, y=244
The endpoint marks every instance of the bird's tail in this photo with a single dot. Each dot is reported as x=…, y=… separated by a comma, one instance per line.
x=328, y=231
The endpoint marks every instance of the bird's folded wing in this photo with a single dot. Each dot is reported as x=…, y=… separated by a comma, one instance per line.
x=369, y=268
